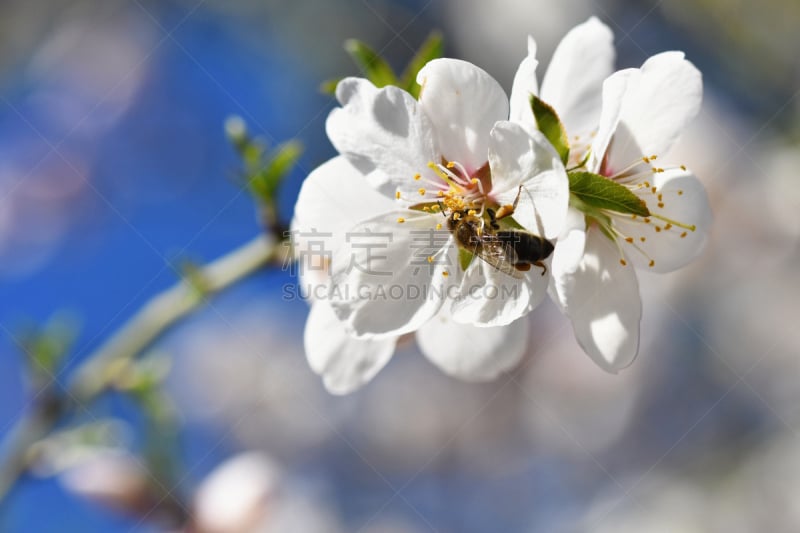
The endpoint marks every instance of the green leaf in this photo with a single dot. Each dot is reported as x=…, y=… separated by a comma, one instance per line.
x=550, y=125
x=374, y=67
x=432, y=48
x=329, y=86
x=279, y=163
x=465, y=257
x=598, y=192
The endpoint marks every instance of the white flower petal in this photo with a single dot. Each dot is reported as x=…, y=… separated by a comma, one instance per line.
x=334, y=198
x=344, y=362
x=382, y=282
x=383, y=132
x=463, y=102
x=524, y=86
x=614, y=89
x=519, y=155
x=601, y=298
x=471, y=353
x=572, y=84
x=657, y=106
x=489, y=297
x=685, y=201
x=571, y=244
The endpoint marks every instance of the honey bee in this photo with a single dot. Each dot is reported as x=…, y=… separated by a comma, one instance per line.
x=511, y=251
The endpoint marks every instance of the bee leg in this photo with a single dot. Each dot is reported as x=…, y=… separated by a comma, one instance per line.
x=492, y=218
x=542, y=265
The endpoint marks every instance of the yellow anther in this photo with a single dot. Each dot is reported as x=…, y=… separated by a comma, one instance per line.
x=438, y=226
x=660, y=197
x=683, y=235
x=426, y=208
x=660, y=170
x=417, y=177
x=445, y=273
x=653, y=157
x=440, y=194
x=472, y=212
x=668, y=227
x=652, y=263
x=430, y=259
x=643, y=239
x=680, y=193
x=421, y=191
x=646, y=159
x=401, y=220
x=474, y=181
x=647, y=184
x=646, y=220
x=661, y=204
x=622, y=262
x=397, y=195
x=658, y=229
x=629, y=239
x=653, y=190
x=456, y=216
x=450, y=164
x=683, y=167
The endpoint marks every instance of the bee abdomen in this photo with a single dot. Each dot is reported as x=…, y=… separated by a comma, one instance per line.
x=529, y=248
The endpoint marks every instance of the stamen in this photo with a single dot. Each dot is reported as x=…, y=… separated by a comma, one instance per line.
x=397, y=195
x=445, y=273
x=421, y=191
x=690, y=227
x=401, y=220
x=438, y=226
x=417, y=177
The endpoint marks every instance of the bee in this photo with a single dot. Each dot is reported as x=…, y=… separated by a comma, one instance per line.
x=511, y=251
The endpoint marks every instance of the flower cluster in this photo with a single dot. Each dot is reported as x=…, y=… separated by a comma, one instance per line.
x=451, y=216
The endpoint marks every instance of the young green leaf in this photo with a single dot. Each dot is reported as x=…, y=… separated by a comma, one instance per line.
x=550, y=125
x=278, y=164
x=329, y=86
x=431, y=49
x=375, y=68
x=599, y=192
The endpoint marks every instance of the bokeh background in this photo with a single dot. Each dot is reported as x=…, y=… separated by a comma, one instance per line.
x=114, y=168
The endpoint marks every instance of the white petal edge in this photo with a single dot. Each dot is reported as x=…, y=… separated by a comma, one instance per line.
x=614, y=89
x=524, y=86
x=520, y=155
x=381, y=282
x=471, y=353
x=685, y=201
x=572, y=85
x=571, y=244
x=601, y=299
x=383, y=132
x=657, y=107
x=344, y=362
x=489, y=297
x=463, y=102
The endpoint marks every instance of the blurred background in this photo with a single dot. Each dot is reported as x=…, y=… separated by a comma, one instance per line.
x=114, y=167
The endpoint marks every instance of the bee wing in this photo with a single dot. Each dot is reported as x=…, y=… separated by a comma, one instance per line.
x=499, y=254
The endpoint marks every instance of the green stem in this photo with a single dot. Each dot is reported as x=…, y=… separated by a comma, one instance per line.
x=104, y=366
